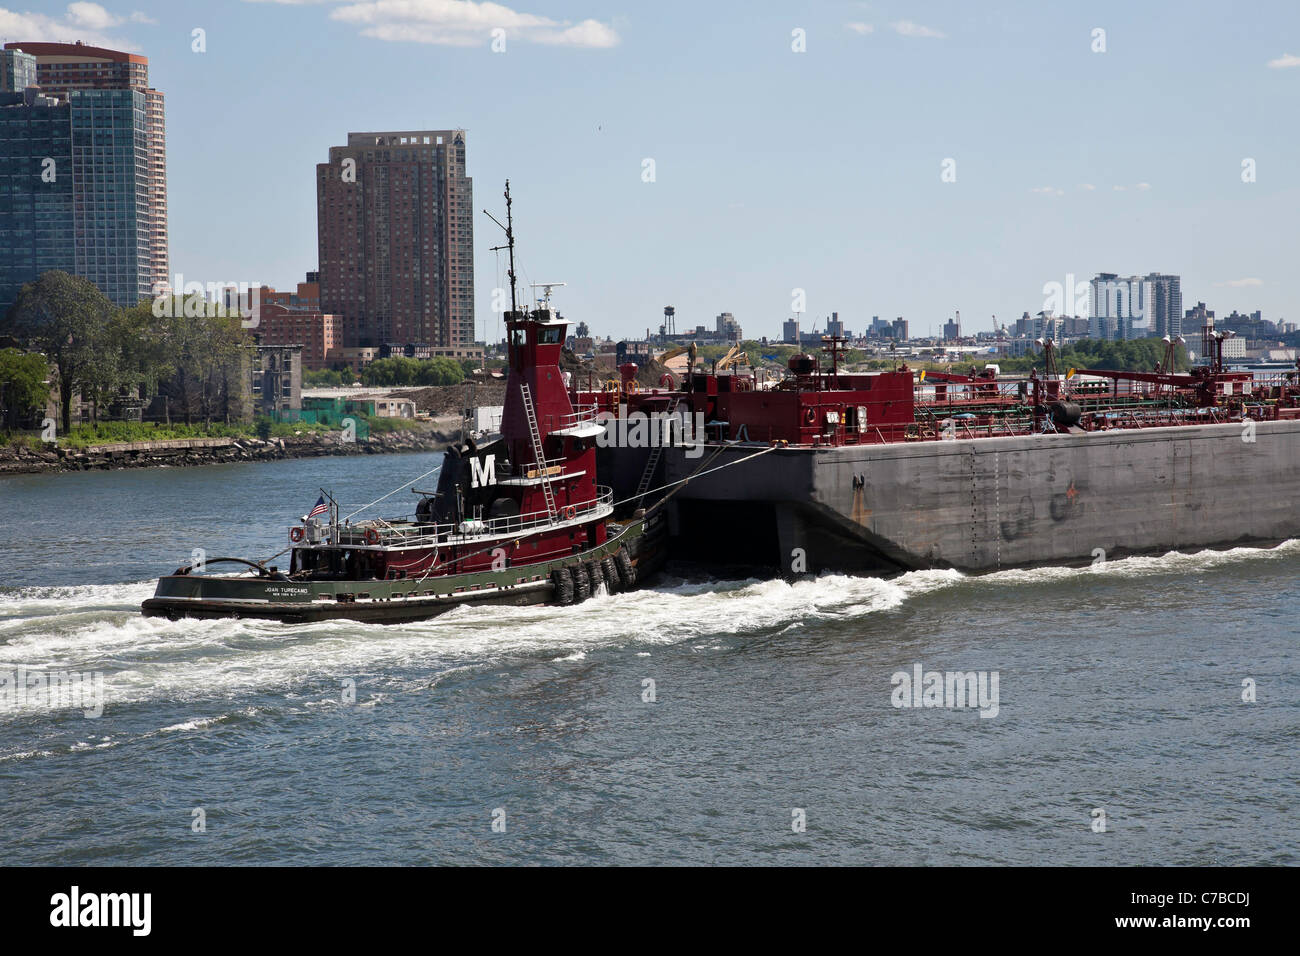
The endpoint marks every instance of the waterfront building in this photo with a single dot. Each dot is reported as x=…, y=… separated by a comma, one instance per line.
x=396, y=238
x=65, y=204
x=276, y=380
x=111, y=148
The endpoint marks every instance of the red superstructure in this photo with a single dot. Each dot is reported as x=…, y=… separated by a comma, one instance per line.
x=524, y=497
x=816, y=406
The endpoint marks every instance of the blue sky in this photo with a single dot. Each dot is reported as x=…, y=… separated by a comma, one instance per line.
x=774, y=169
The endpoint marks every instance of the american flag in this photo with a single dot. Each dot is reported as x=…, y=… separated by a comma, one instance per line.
x=320, y=509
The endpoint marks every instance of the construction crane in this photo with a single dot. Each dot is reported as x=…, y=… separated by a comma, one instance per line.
x=668, y=380
x=733, y=357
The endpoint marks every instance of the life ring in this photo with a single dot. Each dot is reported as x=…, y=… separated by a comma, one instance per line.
x=295, y=534
x=570, y=512
x=810, y=416
x=372, y=536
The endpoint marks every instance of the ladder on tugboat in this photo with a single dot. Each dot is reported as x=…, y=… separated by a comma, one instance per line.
x=652, y=460
x=531, y=414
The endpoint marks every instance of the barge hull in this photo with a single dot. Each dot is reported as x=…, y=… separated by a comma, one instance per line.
x=984, y=504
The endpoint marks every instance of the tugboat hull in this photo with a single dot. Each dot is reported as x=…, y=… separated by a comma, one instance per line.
x=396, y=601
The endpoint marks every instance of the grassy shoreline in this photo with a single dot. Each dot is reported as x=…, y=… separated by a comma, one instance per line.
x=105, y=433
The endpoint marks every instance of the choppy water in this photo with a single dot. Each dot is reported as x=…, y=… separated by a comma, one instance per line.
x=1119, y=688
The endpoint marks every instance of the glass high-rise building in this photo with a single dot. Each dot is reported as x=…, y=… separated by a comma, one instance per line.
x=115, y=174
x=1135, y=307
x=73, y=184
x=17, y=71
x=395, y=223
x=36, y=205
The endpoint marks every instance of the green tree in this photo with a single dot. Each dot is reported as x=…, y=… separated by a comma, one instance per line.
x=325, y=378
x=205, y=348
x=399, y=370
x=144, y=360
x=24, y=384
x=67, y=318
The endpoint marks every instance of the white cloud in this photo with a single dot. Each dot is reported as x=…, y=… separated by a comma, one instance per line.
x=591, y=34
x=1088, y=186
x=1119, y=189
x=861, y=29
x=1284, y=62
x=1047, y=191
x=92, y=16
x=87, y=22
x=907, y=28
x=1241, y=283
x=466, y=23
x=1142, y=186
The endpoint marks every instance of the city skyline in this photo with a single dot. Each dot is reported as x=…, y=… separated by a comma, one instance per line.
x=772, y=170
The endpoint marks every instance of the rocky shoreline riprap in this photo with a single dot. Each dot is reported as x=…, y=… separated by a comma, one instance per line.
x=16, y=460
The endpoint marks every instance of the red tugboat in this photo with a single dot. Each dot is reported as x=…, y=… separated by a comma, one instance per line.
x=516, y=519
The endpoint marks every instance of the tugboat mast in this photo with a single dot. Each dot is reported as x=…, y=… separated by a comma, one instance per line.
x=510, y=244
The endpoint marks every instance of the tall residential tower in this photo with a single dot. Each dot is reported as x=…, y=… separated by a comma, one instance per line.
x=395, y=226
x=83, y=170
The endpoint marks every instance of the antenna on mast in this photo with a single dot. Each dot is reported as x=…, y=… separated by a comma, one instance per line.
x=548, y=286
x=510, y=244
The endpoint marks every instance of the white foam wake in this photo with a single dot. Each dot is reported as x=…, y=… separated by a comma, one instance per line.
x=99, y=628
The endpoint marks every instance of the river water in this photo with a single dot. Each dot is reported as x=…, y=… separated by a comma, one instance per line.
x=769, y=734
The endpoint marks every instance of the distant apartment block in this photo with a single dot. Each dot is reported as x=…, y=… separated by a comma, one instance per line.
x=83, y=170
x=17, y=71
x=1166, y=305
x=790, y=332
x=1134, y=307
x=427, y=352
x=319, y=333
x=276, y=379
x=1118, y=306
x=900, y=329
x=353, y=358
x=728, y=328
x=1251, y=325
x=396, y=239
x=1197, y=318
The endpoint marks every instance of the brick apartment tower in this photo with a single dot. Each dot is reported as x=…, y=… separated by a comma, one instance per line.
x=65, y=67
x=395, y=224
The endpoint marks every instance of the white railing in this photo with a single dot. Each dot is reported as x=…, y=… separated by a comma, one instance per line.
x=431, y=535
x=583, y=415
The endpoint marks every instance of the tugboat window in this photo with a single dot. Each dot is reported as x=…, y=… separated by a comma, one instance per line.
x=549, y=337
